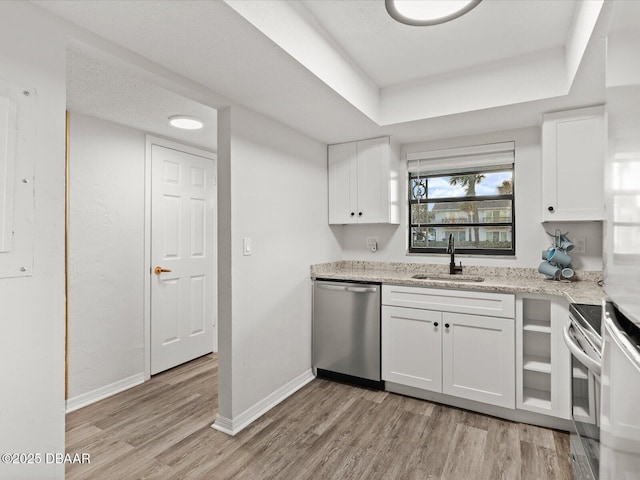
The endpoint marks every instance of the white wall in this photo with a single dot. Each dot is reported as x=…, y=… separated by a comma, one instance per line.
x=106, y=258
x=531, y=238
x=278, y=193
x=32, y=309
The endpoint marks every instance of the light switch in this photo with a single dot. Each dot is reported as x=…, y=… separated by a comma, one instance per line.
x=246, y=246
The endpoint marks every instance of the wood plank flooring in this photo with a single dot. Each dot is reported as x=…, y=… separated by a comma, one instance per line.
x=162, y=430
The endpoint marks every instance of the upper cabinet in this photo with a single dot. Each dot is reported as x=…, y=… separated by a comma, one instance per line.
x=573, y=151
x=364, y=182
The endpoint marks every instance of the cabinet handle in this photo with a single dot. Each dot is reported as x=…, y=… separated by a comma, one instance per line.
x=446, y=325
x=352, y=214
x=359, y=214
x=550, y=208
x=435, y=324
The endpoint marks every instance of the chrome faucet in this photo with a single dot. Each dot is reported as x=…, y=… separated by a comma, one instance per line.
x=451, y=248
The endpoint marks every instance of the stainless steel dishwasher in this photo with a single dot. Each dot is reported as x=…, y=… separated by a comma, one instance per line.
x=346, y=332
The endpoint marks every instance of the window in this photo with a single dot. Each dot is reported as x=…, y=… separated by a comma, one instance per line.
x=472, y=200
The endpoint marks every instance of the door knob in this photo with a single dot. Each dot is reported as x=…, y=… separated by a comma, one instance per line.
x=158, y=270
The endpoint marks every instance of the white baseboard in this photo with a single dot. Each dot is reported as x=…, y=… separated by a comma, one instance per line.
x=513, y=414
x=234, y=426
x=101, y=393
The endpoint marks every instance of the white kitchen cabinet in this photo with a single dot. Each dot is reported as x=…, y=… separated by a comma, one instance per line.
x=487, y=304
x=412, y=347
x=573, y=152
x=364, y=182
x=444, y=341
x=543, y=363
x=478, y=358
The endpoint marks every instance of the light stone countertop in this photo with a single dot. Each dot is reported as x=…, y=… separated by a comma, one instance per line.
x=496, y=279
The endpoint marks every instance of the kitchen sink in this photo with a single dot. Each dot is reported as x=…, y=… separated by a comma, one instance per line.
x=447, y=278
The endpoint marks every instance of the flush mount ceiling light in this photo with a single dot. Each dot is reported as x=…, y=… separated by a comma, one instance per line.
x=185, y=122
x=428, y=12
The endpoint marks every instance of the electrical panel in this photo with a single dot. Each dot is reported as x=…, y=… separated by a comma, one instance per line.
x=17, y=162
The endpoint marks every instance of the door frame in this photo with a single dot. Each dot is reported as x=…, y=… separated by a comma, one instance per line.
x=151, y=140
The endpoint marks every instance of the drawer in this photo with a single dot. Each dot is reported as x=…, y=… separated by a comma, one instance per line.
x=458, y=301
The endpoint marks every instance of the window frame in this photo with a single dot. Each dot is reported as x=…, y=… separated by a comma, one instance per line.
x=461, y=250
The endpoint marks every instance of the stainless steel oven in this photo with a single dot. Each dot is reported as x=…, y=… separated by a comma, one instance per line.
x=582, y=334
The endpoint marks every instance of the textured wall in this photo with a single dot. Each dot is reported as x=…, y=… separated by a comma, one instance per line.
x=32, y=308
x=278, y=197
x=106, y=254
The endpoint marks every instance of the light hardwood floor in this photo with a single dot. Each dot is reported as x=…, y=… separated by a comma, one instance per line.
x=162, y=430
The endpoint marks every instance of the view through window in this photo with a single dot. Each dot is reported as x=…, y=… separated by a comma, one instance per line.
x=476, y=207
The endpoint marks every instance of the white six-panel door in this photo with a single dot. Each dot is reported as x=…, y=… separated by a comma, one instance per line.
x=182, y=256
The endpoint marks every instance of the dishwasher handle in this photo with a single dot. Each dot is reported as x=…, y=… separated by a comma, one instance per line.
x=324, y=286
x=344, y=288
x=362, y=289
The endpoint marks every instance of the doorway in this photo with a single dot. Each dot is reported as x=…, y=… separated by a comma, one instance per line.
x=112, y=112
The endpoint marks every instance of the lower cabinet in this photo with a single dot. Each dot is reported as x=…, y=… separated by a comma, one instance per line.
x=465, y=355
x=543, y=362
x=478, y=358
x=495, y=348
x=412, y=347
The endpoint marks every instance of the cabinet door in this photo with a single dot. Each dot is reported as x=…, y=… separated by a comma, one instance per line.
x=373, y=181
x=573, y=165
x=411, y=347
x=343, y=183
x=478, y=358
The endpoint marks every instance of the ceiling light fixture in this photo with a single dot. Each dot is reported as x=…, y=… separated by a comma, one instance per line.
x=185, y=122
x=428, y=12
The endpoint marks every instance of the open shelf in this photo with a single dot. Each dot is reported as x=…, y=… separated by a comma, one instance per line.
x=536, y=398
x=537, y=364
x=539, y=326
x=581, y=407
x=536, y=354
x=536, y=309
x=536, y=344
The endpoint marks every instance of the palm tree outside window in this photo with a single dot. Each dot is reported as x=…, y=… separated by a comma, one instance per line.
x=478, y=202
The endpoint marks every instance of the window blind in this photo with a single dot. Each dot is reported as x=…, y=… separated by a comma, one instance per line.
x=463, y=159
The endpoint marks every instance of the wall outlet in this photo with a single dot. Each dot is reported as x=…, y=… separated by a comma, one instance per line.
x=372, y=243
x=580, y=244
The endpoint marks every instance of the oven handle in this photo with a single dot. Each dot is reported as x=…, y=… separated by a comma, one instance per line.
x=577, y=352
x=622, y=340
